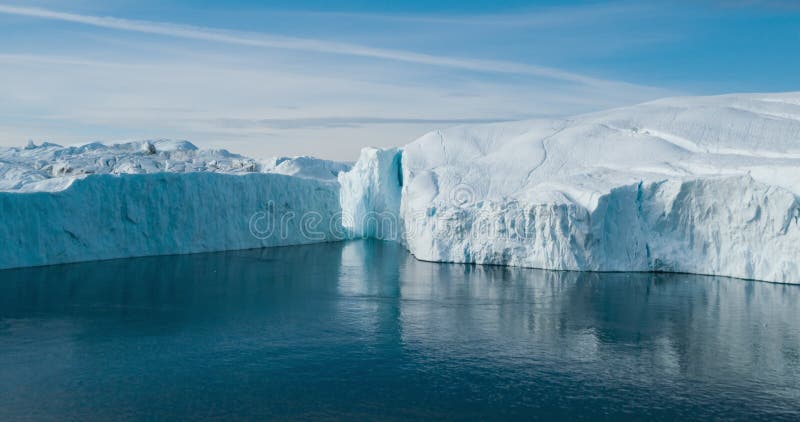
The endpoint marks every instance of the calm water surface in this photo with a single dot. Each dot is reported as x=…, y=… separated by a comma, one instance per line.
x=362, y=330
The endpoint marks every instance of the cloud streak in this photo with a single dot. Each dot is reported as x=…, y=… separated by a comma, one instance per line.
x=354, y=121
x=539, y=17
x=307, y=45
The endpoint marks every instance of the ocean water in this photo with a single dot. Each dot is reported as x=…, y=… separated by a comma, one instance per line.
x=361, y=330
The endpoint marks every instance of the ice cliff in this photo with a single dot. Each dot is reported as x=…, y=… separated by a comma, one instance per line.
x=370, y=195
x=704, y=185
x=96, y=201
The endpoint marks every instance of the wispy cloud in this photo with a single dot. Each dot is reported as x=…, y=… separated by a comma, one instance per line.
x=255, y=105
x=306, y=44
x=263, y=94
x=538, y=17
x=354, y=121
x=780, y=5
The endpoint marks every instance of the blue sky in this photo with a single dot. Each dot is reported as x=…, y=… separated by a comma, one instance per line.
x=326, y=78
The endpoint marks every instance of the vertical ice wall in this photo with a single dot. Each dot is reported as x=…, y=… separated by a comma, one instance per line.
x=723, y=225
x=370, y=195
x=106, y=217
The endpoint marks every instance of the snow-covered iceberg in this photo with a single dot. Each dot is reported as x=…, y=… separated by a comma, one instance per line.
x=96, y=201
x=704, y=185
x=51, y=167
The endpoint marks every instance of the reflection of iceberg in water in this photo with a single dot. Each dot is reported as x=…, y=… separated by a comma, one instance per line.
x=365, y=324
x=657, y=330
x=370, y=294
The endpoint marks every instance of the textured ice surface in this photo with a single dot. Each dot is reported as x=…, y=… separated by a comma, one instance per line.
x=308, y=167
x=704, y=185
x=66, y=204
x=370, y=195
x=50, y=167
x=106, y=216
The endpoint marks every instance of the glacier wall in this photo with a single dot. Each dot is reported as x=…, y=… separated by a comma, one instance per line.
x=370, y=195
x=128, y=215
x=705, y=185
x=731, y=226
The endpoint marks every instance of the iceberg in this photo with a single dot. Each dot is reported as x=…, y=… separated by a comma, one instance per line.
x=705, y=185
x=96, y=201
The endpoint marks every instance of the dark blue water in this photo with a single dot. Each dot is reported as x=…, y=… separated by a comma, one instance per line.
x=362, y=330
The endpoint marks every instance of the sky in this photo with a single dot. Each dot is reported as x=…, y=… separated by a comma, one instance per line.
x=269, y=78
